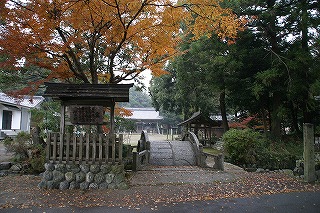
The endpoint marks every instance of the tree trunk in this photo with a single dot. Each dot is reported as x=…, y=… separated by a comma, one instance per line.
x=307, y=114
x=294, y=118
x=264, y=121
x=276, y=98
x=275, y=119
x=223, y=110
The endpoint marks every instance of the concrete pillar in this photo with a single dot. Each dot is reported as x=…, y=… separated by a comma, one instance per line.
x=308, y=153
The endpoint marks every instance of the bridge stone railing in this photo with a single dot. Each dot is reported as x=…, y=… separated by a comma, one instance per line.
x=142, y=156
x=201, y=156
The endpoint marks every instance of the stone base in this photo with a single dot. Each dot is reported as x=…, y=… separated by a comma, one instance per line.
x=83, y=176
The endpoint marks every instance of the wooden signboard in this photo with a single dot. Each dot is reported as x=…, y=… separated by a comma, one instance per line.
x=86, y=115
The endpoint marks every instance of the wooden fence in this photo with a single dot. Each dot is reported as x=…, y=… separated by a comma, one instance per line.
x=88, y=148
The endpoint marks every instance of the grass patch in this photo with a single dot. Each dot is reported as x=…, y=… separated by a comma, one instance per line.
x=212, y=151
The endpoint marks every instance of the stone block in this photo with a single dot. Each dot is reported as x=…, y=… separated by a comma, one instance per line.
x=119, y=178
x=5, y=165
x=112, y=186
x=103, y=185
x=58, y=176
x=70, y=176
x=3, y=173
x=60, y=167
x=16, y=167
x=84, y=185
x=94, y=168
x=93, y=186
x=74, y=185
x=64, y=185
x=42, y=184
x=89, y=177
x=116, y=169
x=105, y=168
x=109, y=178
x=99, y=178
x=85, y=168
x=288, y=172
x=47, y=175
x=80, y=177
x=73, y=168
x=49, y=166
x=123, y=186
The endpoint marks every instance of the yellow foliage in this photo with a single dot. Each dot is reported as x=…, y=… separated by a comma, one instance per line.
x=127, y=36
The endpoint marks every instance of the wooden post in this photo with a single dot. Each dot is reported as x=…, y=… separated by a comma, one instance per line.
x=120, y=148
x=113, y=144
x=61, y=142
x=94, y=148
x=87, y=147
x=100, y=148
x=67, y=147
x=308, y=154
x=107, y=148
x=54, y=152
x=112, y=124
x=48, y=148
x=62, y=120
x=80, y=149
x=74, y=150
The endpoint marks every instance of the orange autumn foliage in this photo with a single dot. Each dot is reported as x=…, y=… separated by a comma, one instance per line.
x=105, y=41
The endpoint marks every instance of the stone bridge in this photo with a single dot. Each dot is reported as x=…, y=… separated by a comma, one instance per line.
x=185, y=152
x=172, y=153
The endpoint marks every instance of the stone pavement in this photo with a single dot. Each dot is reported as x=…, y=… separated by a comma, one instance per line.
x=158, y=175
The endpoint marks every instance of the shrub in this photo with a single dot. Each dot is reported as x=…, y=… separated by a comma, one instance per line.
x=19, y=146
x=248, y=148
x=242, y=146
x=26, y=152
x=37, y=159
x=281, y=154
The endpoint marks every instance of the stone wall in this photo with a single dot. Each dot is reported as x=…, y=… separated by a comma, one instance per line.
x=83, y=176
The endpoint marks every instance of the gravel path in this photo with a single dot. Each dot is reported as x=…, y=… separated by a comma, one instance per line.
x=185, y=175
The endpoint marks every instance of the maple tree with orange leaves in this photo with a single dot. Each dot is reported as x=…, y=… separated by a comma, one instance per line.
x=104, y=41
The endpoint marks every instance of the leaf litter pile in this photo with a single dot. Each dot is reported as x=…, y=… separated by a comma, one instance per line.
x=22, y=192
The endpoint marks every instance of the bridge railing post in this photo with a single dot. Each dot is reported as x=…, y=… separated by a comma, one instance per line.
x=142, y=156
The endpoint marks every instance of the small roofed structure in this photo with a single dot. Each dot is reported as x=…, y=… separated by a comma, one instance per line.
x=203, y=126
x=78, y=95
x=85, y=104
x=90, y=152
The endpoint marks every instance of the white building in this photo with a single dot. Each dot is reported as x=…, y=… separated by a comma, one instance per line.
x=146, y=119
x=15, y=114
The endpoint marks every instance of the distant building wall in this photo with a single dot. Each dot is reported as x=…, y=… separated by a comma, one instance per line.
x=146, y=119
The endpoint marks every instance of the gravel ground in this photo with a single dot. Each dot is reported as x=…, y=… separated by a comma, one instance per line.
x=154, y=187
x=147, y=190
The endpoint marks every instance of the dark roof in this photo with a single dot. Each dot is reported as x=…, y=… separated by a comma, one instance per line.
x=88, y=93
x=200, y=119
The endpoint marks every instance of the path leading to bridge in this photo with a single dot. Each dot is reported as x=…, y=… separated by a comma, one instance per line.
x=158, y=175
